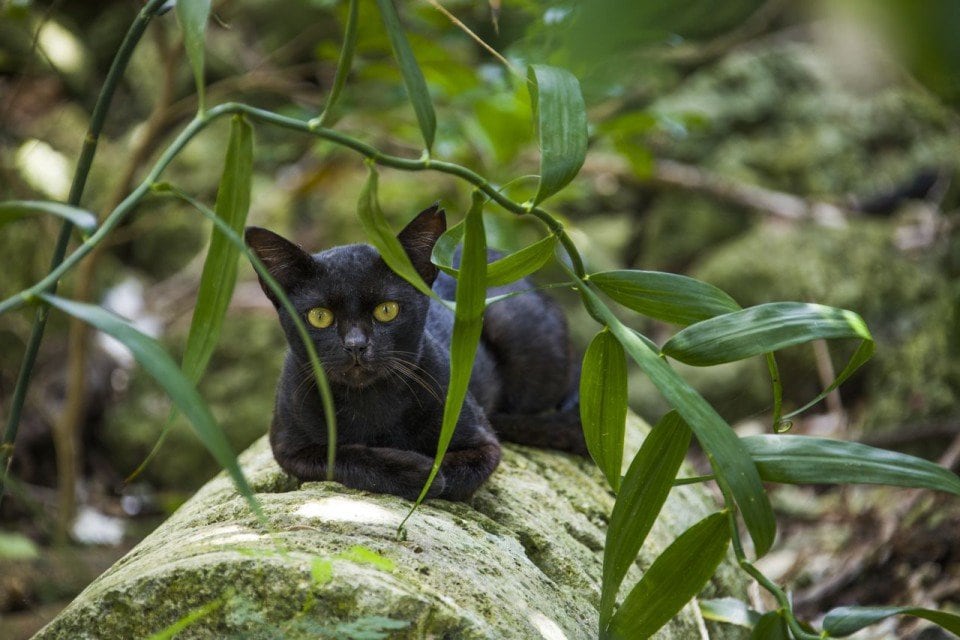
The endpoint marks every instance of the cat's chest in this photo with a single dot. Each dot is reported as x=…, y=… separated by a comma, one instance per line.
x=382, y=419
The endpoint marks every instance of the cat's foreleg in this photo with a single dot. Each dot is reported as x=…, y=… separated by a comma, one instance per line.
x=378, y=469
x=466, y=469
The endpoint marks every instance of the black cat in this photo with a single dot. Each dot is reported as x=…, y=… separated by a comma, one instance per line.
x=384, y=348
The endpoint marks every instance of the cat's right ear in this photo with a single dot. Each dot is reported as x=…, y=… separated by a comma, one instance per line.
x=287, y=263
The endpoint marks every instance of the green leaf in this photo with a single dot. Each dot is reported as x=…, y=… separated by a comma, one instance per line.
x=844, y=621
x=193, y=16
x=467, y=326
x=730, y=611
x=505, y=270
x=645, y=489
x=771, y=626
x=561, y=118
x=362, y=555
x=323, y=386
x=603, y=404
x=382, y=237
x=807, y=460
x=343, y=64
x=443, y=250
x=734, y=469
x=766, y=328
x=150, y=355
x=665, y=296
x=412, y=76
x=672, y=580
x=522, y=263
x=220, y=267
x=11, y=210
x=762, y=329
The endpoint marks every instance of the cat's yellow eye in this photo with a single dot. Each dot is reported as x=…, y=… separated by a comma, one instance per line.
x=386, y=311
x=320, y=318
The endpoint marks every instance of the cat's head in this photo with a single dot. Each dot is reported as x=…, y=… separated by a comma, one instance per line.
x=364, y=320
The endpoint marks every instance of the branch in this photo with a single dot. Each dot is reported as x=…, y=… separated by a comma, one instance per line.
x=669, y=173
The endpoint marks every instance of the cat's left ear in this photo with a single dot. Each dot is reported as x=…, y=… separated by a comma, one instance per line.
x=418, y=238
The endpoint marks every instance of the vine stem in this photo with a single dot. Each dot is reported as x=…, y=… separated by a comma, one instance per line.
x=374, y=155
x=84, y=163
x=799, y=633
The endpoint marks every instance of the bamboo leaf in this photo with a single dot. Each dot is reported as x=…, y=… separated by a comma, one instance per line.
x=730, y=611
x=672, y=580
x=521, y=263
x=445, y=249
x=412, y=76
x=766, y=328
x=645, y=489
x=735, y=471
x=467, y=325
x=150, y=355
x=505, y=270
x=844, y=621
x=603, y=404
x=193, y=16
x=382, y=237
x=561, y=119
x=220, y=267
x=771, y=626
x=11, y=210
x=808, y=460
x=343, y=64
x=665, y=296
x=762, y=329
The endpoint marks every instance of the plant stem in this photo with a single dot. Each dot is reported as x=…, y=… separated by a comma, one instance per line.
x=779, y=594
x=231, y=108
x=97, y=119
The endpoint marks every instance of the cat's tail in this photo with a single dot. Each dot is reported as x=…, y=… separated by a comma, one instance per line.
x=560, y=430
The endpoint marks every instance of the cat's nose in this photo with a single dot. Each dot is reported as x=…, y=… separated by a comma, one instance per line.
x=355, y=341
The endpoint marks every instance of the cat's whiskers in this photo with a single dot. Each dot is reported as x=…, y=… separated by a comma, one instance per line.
x=410, y=371
x=393, y=354
x=395, y=374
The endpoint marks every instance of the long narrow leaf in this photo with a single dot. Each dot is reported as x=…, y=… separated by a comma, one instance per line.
x=766, y=328
x=382, y=237
x=665, y=296
x=193, y=16
x=412, y=76
x=844, y=621
x=467, y=325
x=343, y=64
x=219, y=275
x=150, y=355
x=603, y=404
x=323, y=386
x=220, y=267
x=561, y=118
x=732, y=465
x=771, y=626
x=501, y=271
x=521, y=263
x=11, y=210
x=808, y=460
x=730, y=611
x=762, y=329
x=445, y=249
x=645, y=489
x=672, y=580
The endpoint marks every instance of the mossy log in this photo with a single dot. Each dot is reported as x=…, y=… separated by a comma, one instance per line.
x=522, y=560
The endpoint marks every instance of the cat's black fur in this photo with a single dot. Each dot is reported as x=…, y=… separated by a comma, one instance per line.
x=389, y=379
